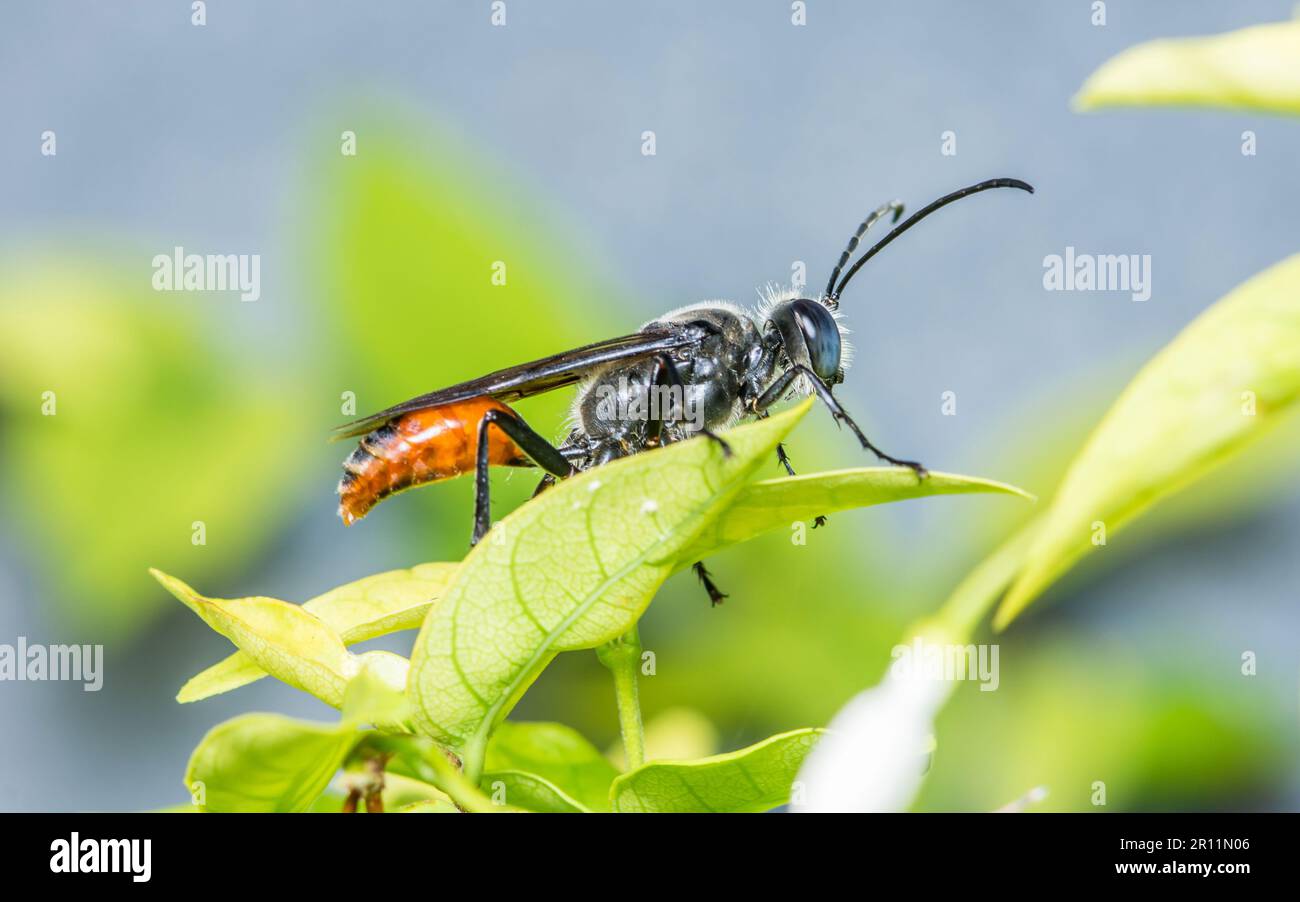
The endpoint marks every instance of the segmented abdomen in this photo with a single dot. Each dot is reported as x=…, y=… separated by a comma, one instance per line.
x=422, y=446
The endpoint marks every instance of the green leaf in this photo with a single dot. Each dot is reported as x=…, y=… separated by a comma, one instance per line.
x=776, y=503
x=1253, y=68
x=377, y=694
x=266, y=763
x=291, y=644
x=570, y=570
x=556, y=753
x=384, y=603
x=1219, y=385
x=753, y=779
x=399, y=599
x=229, y=673
x=529, y=792
x=373, y=606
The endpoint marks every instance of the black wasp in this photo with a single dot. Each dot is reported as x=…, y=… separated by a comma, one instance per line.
x=693, y=371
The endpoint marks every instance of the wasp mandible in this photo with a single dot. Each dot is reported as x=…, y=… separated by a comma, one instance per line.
x=714, y=362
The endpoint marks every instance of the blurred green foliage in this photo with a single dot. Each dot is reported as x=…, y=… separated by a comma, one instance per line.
x=154, y=426
x=1159, y=727
x=1227, y=378
x=1248, y=69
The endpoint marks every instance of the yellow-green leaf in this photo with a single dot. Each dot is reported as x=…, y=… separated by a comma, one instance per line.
x=291, y=644
x=776, y=503
x=399, y=599
x=556, y=753
x=529, y=792
x=1255, y=68
x=570, y=570
x=377, y=693
x=383, y=603
x=374, y=606
x=1220, y=384
x=267, y=763
x=757, y=778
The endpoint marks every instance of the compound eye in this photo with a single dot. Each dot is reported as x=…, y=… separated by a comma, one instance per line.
x=821, y=334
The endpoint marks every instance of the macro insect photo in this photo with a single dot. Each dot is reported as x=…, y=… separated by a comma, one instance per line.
x=508, y=407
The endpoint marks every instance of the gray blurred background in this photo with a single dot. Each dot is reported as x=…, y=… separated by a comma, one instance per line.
x=772, y=142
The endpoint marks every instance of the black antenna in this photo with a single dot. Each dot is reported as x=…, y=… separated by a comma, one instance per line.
x=896, y=206
x=834, y=293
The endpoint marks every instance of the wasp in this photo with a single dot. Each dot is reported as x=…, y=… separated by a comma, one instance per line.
x=711, y=364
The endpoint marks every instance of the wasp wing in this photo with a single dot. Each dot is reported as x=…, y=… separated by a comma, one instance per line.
x=539, y=376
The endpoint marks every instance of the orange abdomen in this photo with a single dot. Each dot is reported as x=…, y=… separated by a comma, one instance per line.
x=422, y=446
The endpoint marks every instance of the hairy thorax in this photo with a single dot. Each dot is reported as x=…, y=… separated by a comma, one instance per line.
x=615, y=407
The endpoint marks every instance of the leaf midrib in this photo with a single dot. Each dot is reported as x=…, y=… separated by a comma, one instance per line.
x=586, y=604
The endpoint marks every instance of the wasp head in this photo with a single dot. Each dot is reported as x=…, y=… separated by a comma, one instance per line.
x=810, y=334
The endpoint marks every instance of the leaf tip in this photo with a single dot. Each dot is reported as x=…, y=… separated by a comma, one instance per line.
x=1005, y=488
x=188, y=694
x=1084, y=101
x=172, y=584
x=181, y=590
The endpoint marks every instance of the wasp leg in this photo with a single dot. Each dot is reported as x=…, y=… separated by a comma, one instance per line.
x=784, y=460
x=781, y=457
x=665, y=374
x=715, y=594
x=782, y=385
x=543, y=453
x=571, y=453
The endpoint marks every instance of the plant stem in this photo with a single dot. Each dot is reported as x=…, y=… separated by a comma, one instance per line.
x=623, y=658
x=427, y=761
